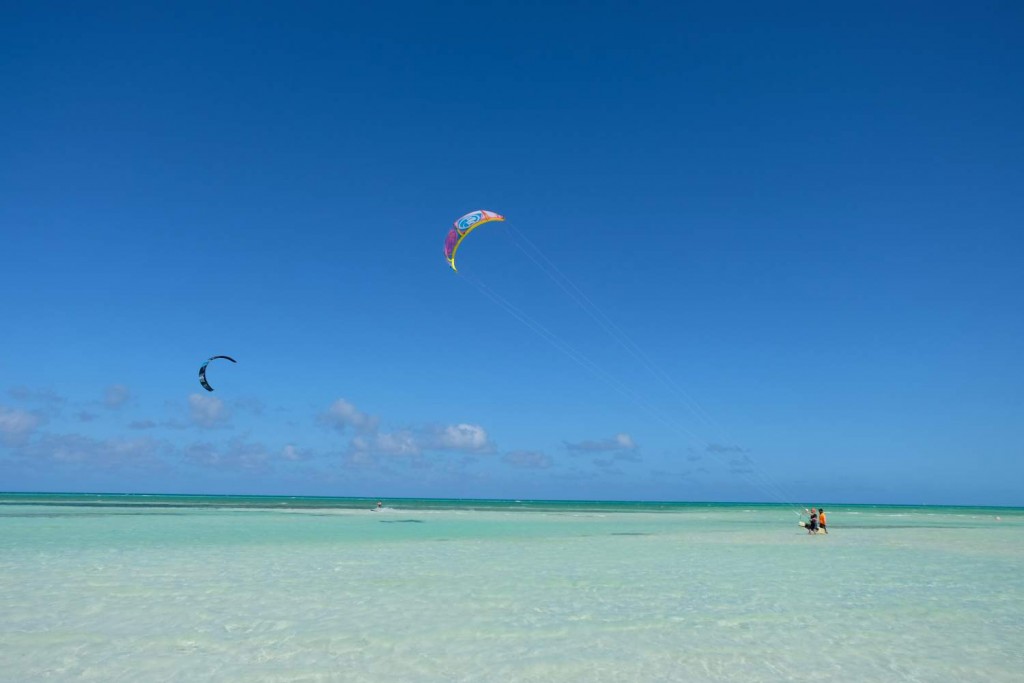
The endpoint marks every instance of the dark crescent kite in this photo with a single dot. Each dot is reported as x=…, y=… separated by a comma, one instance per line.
x=202, y=370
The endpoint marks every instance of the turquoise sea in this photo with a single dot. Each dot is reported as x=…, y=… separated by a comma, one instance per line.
x=205, y=588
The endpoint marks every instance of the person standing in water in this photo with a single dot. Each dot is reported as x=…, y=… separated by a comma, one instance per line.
x=812, y=526
x=822, y=522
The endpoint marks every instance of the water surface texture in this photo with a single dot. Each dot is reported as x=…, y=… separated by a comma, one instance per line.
x=174, y=588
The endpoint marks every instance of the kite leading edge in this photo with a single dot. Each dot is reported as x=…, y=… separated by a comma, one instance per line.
x=462, y=227
x=202, y=370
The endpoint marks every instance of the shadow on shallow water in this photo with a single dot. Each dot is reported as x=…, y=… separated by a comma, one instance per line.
x=79, y=515
x=401, y=521
x=897, y=526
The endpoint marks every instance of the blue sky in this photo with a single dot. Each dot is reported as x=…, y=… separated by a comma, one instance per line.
x=801, y=226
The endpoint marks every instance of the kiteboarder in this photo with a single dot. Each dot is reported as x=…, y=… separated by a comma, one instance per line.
x=812, y=526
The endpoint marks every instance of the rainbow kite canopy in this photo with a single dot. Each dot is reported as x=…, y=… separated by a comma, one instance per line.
x=463, y=227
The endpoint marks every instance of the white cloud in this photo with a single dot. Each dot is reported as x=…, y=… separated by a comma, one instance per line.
x=619, y=442
x=719, y=449
x=77, y=449
x=609, y=466
x=44, y=396
x=370, y=443
x=237, y=455
x=414, y=442
x=16, y=426
x=116, y=395
x=207, y=411
x=356, y=458
x=465, y=438
x=202, y=453
x=342, y=415
x=250, y=405
x=400, y=443
x=625, y=442
x=527, y=459
x=293, y=454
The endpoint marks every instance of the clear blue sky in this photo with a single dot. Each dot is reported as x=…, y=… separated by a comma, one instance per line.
x=808, y=217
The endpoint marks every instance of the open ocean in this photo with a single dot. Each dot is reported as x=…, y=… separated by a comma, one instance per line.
x=207, y=588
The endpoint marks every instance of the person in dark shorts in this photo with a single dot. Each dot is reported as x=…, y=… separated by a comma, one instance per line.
x=822, y=522
x=812, y=526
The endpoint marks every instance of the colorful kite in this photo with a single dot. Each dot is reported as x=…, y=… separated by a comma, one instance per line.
x=463, y=227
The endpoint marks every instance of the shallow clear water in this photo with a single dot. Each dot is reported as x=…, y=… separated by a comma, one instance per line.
x=127, y=588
